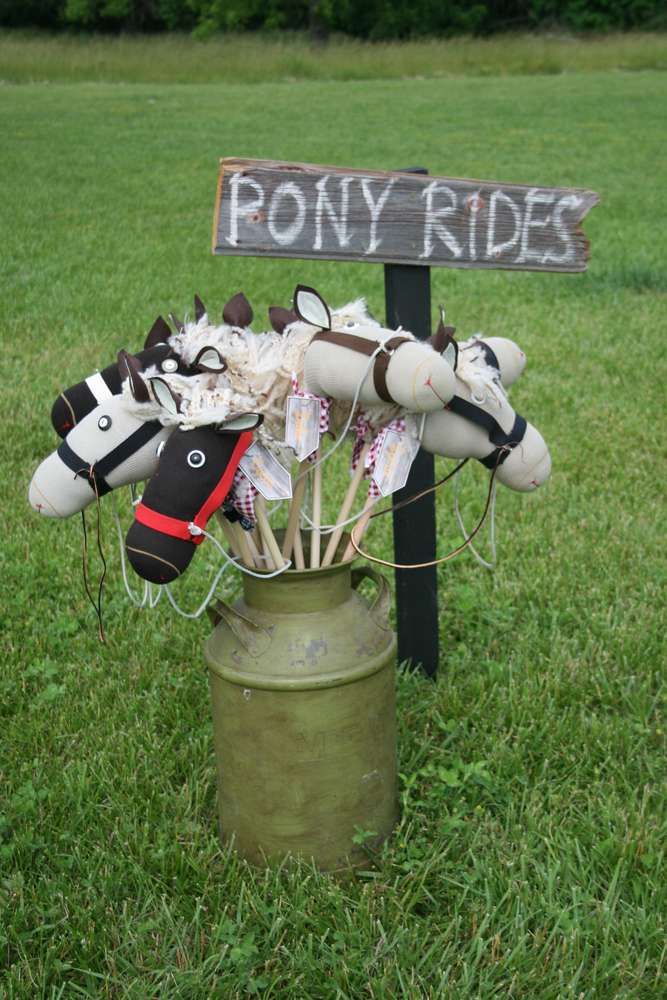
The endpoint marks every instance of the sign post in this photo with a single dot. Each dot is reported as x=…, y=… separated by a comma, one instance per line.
x=409, y=221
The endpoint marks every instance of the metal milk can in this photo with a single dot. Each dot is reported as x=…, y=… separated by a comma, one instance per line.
x=304, y=718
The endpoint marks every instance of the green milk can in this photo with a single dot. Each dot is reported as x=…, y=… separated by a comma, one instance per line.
x=304, y=717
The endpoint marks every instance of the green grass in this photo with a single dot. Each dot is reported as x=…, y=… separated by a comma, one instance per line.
x=33, y=57
x=529, y=861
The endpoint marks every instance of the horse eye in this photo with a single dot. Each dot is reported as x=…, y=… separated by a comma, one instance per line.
x=350, y=323
x=169, y=365
x=160, y=448
x=104, y=423
x=196, y=459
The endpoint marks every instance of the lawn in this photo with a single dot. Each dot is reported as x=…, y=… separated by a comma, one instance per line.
x=529, y=861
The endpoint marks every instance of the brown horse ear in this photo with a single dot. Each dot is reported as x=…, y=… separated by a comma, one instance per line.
x=159, y=333
x=280, y=318
x=238, y=311
x=210, y=359
x=130, y=368
x=165, y=396
x=443, y=341
x=240, y=422
x=177, y=323
x=200, y=308
x=311, y=307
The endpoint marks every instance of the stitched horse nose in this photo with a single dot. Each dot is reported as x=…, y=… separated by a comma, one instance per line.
x=156, y=557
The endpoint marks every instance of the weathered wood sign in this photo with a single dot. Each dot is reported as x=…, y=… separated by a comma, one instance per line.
x=275, y=209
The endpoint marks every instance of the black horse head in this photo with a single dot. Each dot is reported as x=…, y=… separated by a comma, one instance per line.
x=73, y=404
x=194, y=476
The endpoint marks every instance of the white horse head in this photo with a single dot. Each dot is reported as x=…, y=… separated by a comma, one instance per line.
x=110, y=447
x=406, y=371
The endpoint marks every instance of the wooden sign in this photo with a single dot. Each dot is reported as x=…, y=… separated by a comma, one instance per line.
x=274, y=209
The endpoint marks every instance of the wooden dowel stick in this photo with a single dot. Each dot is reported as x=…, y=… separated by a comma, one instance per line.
x=317, y=518
x=346, y=507
x=228, y=531
x=252, y=545
x=359, y=528
x=292, y=529
x=243, y=546
x=299, y=561
x=271, y=545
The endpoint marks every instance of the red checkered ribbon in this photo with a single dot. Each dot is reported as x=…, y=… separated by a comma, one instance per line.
x=242, y=496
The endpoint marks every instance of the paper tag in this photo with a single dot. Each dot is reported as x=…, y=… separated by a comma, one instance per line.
x=395, y=458
x=266, y=473
x=302, y=425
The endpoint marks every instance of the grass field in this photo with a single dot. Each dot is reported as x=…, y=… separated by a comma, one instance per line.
x=529, y=861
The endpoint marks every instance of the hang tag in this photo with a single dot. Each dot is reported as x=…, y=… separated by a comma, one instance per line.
x=302, y=425
x=395, y=458
x=266, y=473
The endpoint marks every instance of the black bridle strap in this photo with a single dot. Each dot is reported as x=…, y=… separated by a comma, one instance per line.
x=503, y=441
x=128, y=447
x=81, y=468
x=96, y=474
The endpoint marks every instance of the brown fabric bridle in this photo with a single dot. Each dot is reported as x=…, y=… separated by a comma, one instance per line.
x=367, y=347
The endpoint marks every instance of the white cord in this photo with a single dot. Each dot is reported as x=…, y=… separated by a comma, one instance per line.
x=328, y=529
x=229, y=561
x=492, y=524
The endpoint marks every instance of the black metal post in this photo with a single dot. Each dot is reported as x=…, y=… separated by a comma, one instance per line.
x=408, y=304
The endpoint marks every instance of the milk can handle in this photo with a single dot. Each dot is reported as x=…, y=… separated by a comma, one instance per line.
x=254, y=639
x=379, y=609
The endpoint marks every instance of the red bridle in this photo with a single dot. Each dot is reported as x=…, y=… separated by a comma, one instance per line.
x=180, y=528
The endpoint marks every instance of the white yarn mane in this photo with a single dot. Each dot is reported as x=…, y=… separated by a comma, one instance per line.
x=259, y=374
x=480, y=377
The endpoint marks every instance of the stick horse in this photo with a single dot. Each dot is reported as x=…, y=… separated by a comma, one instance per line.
x=105, y=445
x=195, y=468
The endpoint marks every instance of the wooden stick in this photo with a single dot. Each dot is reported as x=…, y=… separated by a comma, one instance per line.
x=292, y=529
x=317, y=517
x=252, y=545
x=229, y=533
x=359, y=528
x=299, y=561
x=346, y=507
x=243, y=545
x=271, y=545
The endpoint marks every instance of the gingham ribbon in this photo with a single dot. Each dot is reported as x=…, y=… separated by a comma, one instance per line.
x=362, y=430
x=242, y=497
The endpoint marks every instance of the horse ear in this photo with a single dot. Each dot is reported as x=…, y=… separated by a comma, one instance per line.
x=451, y=354
x=159, y=333
x=311, y=307
x=200, y=308
x=130, y=368
x=443, y=341
x=238, y=311
x=177, y=323
x=165, y=396
x=241, y=422
x=210, y=359
x=280, y=318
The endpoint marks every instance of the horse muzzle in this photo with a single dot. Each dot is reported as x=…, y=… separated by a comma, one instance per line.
x=156, y=556
x=56, y=491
